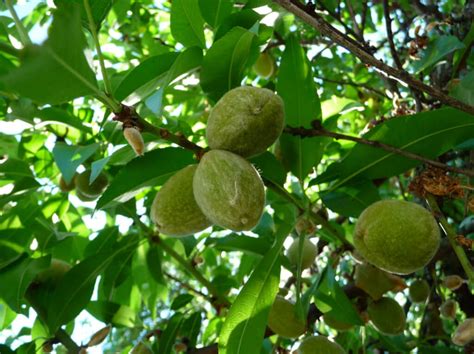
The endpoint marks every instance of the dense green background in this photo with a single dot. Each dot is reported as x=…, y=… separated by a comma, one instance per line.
x=173, y=61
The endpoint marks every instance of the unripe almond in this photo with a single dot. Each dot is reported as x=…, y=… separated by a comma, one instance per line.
x=308, y=254
x=319, y=344
x=135, y=139
x=99, y=336
x=448, y=309
x=229, y=190
x=453, y=282
x=283, y=321
x=464, y=333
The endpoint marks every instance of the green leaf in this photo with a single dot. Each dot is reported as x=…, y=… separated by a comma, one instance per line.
x=154, y=258
x=181, y=300
x=59, y=67
x=68, y=158
x=351, y=199
x=75, y=290
x=187, y=25
x=223, y=66
x=244, y=327
x=429, y=134
x=436, y=51
x=150, y=170
x=269, y=167
x=214, y=11
x=13, y=242
x=157, y=71
x=330, y=297
x=168, y=337
x=464, y=90
x=110, y=312
x=296, y=86
x=15, y=278
x=99, y=9
x=147, y=71
x=245, y=18
x=53, y=115
x=7, y=315
x=17, y=171
x=188, y=60
x=191, y=328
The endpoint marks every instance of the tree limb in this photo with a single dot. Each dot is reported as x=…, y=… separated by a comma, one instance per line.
x=319, y=131
x=316, y=21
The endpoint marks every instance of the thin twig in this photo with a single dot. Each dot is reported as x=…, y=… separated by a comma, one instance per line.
x=22, y=32
x=393, y=51
x=316, y=21
x=451, y=234
x=305, y=132
x=316, y=218
x=355, y=84
x=65, y=339
x=93, y=28
x=187, y=286
x=388, y=27
x=191, y=270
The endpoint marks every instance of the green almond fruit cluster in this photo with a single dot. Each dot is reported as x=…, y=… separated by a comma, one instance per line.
x=397, y=236
x=224, y=188
x=319, y=345
x=387, y=316
x=283, y=321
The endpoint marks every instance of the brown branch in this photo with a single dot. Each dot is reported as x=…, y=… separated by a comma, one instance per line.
x=319, y=131
x=388, y=28
x=129, y=118
x=316, y=21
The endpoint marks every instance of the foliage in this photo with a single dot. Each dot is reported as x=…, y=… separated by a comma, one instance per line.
x=160, y=67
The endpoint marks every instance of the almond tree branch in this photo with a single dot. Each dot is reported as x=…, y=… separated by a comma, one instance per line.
x=319, y=131
x=130, y=118
x=316, y=21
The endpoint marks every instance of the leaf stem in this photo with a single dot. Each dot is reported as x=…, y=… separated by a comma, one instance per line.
x=66, y=340
x=94, y=32
x=451, y=234
x=22, y=32
x=191, y=270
